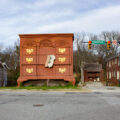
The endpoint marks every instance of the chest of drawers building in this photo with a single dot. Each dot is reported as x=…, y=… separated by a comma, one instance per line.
x=34, y=52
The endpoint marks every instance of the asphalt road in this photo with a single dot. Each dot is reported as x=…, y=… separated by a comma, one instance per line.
x=35, y=105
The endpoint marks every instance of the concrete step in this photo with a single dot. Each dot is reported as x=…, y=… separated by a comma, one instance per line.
x=94, y=84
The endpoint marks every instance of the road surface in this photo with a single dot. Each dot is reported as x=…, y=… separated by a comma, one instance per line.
x=36, y=105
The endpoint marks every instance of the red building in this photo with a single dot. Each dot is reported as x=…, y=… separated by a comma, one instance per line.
x=92, y=72
x=46, y=58
x=113, y=70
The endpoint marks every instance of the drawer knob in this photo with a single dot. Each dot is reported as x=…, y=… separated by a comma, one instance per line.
x=29, y=51
x=29, y=70
x=62, y=70
x=29, y=60
x=62, y=50
x=63, y=59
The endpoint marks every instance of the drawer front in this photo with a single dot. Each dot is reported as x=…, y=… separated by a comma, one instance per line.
x=43, y=71
x=62, y=70
x=41, y=59
x=29, y=70
x=62, y=50
x=63, y=59
x=29, y=50
x=59, y=59
x=46, y=50
x=29, y=60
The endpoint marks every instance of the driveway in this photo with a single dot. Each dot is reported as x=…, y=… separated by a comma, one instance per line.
x=103, y=89
x=99, y=87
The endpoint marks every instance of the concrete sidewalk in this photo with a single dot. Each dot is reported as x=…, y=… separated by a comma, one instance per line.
x=86, y=89
x=48, y=90
x=103, y=89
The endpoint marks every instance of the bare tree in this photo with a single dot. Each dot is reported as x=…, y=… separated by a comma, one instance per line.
x=103, y=52
x=1, y=48
x=82, y=54
x=10, y=55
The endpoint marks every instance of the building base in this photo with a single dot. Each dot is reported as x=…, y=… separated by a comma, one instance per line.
x=48, y=78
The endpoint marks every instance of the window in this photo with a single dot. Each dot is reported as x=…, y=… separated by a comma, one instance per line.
x=115, y=60
x=117, y=75
x=112, y=62
x=109, y=63
x=119, y=61
x=109, y=75
x=114, y=73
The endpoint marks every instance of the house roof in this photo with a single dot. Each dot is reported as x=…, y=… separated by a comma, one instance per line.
x=92, y=67
x=110, y=58
x=47, y=35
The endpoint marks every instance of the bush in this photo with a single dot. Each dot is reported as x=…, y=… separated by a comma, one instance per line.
x=77, y=78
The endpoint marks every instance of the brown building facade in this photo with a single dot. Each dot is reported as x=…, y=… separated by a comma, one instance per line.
x=113, y=70
x=46, y=57
x=92, y=72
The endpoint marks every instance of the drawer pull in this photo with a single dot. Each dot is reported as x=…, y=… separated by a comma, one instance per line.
x=29, y=70
x=29, y=60
x=29, y=51
x=63, y=59
x=62, y=70
x=62, y=50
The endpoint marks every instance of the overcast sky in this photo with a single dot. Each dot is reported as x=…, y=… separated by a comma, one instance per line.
x=56, y=16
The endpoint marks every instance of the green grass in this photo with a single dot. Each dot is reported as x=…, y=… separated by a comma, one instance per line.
x=42, y=87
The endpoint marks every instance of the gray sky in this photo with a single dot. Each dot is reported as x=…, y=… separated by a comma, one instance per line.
x=56, y=16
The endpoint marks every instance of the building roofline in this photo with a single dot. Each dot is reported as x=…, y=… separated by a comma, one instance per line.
x=49, y=35
x=110, y=58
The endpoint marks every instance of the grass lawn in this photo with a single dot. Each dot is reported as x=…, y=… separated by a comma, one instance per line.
x=68, y=87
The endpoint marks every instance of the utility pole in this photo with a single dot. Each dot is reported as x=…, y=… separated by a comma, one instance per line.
x=82, y=73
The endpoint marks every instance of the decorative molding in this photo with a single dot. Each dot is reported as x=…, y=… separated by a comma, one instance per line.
x=37, y=41
x=62, y=43
x=29, y=43
x=47, y=43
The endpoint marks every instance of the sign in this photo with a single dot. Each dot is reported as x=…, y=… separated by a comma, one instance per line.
x=114, y=42
x=98, y=42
